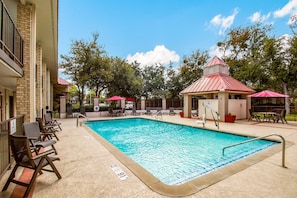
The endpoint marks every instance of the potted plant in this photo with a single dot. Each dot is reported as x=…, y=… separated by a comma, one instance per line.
x=181, y=114
x=230, y=118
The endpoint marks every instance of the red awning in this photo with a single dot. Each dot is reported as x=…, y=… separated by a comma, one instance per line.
x=130, y=99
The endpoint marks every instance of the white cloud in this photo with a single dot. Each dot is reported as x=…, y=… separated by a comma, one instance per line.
x=224, y=22
x=257, y=17
x=285, y=41
x=289, y=9
x=160, y=54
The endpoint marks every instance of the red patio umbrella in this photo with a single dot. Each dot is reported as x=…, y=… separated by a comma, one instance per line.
x=130, y=99
x=115, y=98
x=268, y=94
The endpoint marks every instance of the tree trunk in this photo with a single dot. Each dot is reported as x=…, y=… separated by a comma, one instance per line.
x=287, y=99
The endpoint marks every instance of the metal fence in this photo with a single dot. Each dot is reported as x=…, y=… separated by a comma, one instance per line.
x=7, y=127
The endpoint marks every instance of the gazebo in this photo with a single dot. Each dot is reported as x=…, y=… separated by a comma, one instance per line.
x=220, y=92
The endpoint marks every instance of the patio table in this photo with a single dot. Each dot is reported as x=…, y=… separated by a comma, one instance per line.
x=266, y=115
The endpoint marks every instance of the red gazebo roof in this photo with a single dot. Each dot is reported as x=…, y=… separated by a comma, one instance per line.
x=217, y=80
x=215, y=83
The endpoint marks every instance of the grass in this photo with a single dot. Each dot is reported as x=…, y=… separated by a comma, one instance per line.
x=291, y=117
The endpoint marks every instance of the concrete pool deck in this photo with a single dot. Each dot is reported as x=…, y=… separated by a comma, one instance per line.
x=86, y=171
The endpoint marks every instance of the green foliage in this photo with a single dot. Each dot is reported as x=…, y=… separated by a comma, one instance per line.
x=154, y=81
x=79, y=64
x=126, y=82
x=192, y=68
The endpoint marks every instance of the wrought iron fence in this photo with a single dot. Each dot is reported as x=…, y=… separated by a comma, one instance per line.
x=7, y=127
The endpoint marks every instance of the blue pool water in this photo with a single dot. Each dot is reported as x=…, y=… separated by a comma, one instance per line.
x=174, y=153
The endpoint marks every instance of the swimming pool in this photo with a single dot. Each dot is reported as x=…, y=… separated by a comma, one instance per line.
x=175, y=154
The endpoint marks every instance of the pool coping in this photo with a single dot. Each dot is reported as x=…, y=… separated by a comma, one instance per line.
x=195, y=185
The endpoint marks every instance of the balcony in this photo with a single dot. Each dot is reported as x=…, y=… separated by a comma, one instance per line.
x=11, y=50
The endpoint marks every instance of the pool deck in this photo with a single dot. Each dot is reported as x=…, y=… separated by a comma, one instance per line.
x=85, y=167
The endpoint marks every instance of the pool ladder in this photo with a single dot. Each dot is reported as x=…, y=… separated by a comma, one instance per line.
x=78, y=116
x=259, y=138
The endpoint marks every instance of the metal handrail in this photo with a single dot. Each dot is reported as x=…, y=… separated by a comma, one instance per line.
x=80, y=115
x=212, y=110
x=263, y=137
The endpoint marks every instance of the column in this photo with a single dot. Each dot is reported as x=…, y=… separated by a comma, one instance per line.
x=62, y=107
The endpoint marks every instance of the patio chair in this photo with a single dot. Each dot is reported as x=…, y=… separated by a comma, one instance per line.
x=23, y=158
x=253, y=115
x=171, y=111
x=280, y=115
x=50, y=122
x=112, y=112
x=37, y=139
x=202, y=120
x=47, y=129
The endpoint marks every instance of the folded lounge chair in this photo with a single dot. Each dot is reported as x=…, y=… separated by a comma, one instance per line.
x=23, y=158
x=37, y=139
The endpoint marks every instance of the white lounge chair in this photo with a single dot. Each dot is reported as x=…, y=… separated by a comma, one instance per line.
x=201, y=121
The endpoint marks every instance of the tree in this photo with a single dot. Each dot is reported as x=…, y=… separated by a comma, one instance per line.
x=125, y=83
x=261, y=61
x=173, y=83
x=100, y=76
x=154, y=81
x=78, y=65
x=243, y=52
x=192, y=68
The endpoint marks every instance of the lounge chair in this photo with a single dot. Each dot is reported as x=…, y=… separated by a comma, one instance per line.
x=23, y=158
x=171, y=111
x=148, y=111
x=37, y=139
x=50, y=122
x=47, y=129
x=202, y=120
x=69, y=112
x=82, y=111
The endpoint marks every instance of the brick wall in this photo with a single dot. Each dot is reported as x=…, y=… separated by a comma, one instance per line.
x=24, y=88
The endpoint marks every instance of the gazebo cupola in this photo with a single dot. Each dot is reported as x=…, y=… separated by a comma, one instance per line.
x=216, y=66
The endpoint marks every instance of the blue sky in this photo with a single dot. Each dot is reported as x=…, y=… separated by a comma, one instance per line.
x=159, y=31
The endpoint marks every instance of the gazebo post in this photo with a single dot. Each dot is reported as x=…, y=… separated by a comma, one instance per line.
x=223, y=97
x=187, y=105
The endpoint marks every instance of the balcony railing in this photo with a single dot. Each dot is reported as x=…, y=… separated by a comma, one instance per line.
x=13, y=125
x=11, y=41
